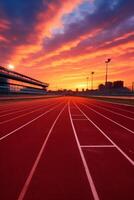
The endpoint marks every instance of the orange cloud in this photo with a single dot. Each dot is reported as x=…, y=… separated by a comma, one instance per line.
x=46, y=21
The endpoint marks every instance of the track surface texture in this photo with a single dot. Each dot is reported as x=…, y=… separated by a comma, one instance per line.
x=67, y=148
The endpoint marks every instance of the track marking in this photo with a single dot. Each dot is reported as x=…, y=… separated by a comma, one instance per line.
x=108, y=118
x=13, y=106
x=77, y=115
x=128, y=111
x=20, y=106
x=97, y=146
x=113, y=112
x=88, y=174
x=20, y=110
x=79, y=119
x=117, y=147
x=3, y=122
x=5, y=111
x=116, y=103
x=11, y=110
x=30, y=176
x=5, y=136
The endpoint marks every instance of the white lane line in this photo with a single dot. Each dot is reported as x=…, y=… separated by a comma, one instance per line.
x=76, y=115
x=116, y=103
x=27, y=104
x=17, y=129
x=97, y=146
x=5, y=111
x=79, y=119
x=117, y=147
x=129, y=130
x=21, y=110
x=19, y=116
x=13, y=107
x=88, y=174
x=112, y=111
x=30, y=176
x=124, y=110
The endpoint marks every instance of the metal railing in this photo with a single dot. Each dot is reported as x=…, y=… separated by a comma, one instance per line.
x=20, y=77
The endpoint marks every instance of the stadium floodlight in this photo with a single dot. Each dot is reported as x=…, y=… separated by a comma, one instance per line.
x=106, y=79
x=92, y=73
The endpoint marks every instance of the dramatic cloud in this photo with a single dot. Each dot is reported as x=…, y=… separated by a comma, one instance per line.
x=105, y=16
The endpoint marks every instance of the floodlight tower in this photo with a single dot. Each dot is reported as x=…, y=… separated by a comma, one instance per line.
x=92, y=73
x=106, y=79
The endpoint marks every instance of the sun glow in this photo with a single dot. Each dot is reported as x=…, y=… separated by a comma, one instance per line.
x=81, y=86
x=11, y=67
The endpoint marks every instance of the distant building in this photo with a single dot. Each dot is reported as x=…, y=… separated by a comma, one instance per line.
x=113, y=88
x=101, y=87
x=109, y=85
x=118, y=84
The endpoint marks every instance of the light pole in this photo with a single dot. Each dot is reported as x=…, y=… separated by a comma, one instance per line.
x=87, y=82
x=92, y=73
x=107, y=61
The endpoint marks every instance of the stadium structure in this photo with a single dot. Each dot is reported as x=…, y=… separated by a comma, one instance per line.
x=14, y=82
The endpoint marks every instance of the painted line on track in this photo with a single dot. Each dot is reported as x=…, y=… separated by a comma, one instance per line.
x=11, y=110
x=97, y=146
x=17, y=129
x=33, y=169
x=129, y=130
x=88, y=174
x=19, y=116
x=21, y=110
x=79, y=119
x=116, y=103
x=77, y=115
x=117, y=147
x=111, y=111
x=13, y=107
x=112, y=106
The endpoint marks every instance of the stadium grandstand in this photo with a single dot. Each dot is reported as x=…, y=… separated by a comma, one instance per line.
x=14, y=82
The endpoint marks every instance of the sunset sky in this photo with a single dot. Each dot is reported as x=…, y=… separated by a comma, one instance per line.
x=62, y=41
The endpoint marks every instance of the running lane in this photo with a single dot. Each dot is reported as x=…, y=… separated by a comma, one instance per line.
x=111, y=162
x=60, y=172
x=123, y=136
x=19, y=150
x=6, y=108
x=66, y=148
x=12, y=123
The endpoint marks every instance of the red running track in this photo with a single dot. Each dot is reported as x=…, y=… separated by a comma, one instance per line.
x=66, y=148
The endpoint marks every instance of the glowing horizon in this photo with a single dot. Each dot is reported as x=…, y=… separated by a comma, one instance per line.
x=62, y=43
